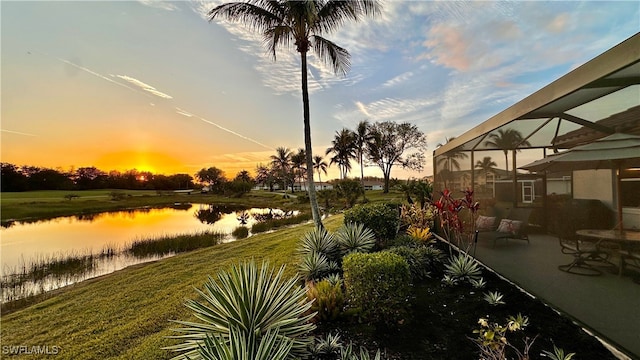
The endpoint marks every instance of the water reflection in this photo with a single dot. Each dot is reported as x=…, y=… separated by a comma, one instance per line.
x=29, y=245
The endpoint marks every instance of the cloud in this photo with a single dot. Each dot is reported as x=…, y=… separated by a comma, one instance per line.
x=183, y=112
x=398, y=79
x=362, y=108
x=165, y=5
x=17, y=132
x=558, y=24
x=146, y=87
x=448, y=47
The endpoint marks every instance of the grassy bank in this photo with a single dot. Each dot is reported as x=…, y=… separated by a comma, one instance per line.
x=47, y=204
x=126, y=315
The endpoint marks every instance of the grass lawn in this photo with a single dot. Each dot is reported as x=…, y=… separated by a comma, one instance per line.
x=47, y=204
x=126, y=315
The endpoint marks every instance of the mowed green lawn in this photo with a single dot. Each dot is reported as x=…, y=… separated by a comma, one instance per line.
x=127, y=314
x=47, y=204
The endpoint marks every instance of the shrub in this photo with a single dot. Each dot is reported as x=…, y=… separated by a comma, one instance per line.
x=349, y=190
x=328, y=300
x=240, y=232
x=379, y=285
x=382, y=219
x=422, y=260
x=403, y=240
x=355, y=238
x=247, y=305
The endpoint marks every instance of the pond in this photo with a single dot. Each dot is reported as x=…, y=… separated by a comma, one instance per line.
x=101, y=239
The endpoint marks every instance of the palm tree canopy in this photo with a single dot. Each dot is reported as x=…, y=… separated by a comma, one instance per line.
x=319, y=164
x=509, y=139
x=486, y=164
x=301, y=23
x=343, y=148
x=282, y=159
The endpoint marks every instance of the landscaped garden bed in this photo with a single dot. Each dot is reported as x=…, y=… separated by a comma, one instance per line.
x=443, y=318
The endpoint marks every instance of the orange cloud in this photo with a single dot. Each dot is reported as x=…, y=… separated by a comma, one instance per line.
x=448, y=47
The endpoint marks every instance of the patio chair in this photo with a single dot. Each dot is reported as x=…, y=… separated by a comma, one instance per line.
x=513, y=226
x=583, y=254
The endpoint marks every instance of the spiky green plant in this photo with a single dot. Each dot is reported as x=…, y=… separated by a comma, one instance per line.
x=348, y=353
x=463, y=267
x=478, y=283
x=449, y=280
x=334, y=279
x=247, y=303
x=558, y=354
x=326, y=347
x=246, y=346
x=319, y=241
x=314, y=266
x=354, y=237
x=494, y=298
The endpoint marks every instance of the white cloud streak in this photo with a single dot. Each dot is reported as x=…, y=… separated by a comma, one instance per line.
x=144, y=86
x=17, y=132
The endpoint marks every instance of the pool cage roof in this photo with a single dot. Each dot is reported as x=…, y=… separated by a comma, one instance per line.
x=595, y=100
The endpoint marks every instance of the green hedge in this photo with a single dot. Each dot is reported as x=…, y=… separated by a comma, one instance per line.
x=382, y=219
x=379, y=285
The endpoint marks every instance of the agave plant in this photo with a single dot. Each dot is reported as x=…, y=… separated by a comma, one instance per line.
x=314, y=266
x=334, y=279
x=319, y=241
x=327, y=347
x=354, y=237
x=463, y=267
x=254, y=304
x=558, y=354
x=478, y=283
x=494, y=298
x=348, y=353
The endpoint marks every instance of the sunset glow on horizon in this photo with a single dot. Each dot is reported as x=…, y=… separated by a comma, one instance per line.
x=154, y=86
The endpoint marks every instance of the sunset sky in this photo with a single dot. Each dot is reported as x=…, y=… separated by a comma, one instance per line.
x=155, y=86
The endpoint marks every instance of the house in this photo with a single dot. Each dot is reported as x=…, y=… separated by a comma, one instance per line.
x=373, y=185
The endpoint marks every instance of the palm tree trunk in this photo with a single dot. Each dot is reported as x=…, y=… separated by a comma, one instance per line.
x=506, y=161
x=364, y=195
x=313, y=201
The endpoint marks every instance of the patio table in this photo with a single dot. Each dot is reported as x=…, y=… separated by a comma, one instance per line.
x=626, y=239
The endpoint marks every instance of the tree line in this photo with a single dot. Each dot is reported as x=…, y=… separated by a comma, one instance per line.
x=27, y=178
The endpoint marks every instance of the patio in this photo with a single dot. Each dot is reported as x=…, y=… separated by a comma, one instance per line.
x=606, y=305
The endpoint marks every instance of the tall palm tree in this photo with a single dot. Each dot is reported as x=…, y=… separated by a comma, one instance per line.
x=281, y=161
x=506, y=140
x=449, y=161
x=298, y=169
x=301, y=23
x=361, y=137
x=320, y=165
x=487, y=165
x=342, y=146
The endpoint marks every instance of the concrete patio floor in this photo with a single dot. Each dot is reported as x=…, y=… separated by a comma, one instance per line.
x=607, y=305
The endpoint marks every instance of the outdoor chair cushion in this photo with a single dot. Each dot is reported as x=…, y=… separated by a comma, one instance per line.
x=485, y=223
x=509, y=226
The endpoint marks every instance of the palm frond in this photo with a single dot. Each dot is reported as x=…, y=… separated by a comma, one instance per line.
x=332, y=54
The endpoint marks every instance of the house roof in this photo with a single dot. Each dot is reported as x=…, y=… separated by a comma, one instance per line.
x=607, y=86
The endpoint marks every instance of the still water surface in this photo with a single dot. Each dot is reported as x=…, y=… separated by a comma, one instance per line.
x=24, y=243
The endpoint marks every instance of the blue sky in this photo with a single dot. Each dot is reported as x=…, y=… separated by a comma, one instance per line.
x=154, y=85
